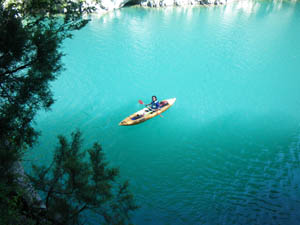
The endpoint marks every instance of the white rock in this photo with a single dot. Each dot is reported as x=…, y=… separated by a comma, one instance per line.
x=109, y=5
x=144, y=3
x=112, y=4
x=168, y=2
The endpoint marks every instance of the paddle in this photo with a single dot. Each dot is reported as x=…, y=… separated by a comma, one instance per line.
x=142, y=103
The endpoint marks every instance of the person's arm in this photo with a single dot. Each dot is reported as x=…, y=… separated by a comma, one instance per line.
x=157, y=105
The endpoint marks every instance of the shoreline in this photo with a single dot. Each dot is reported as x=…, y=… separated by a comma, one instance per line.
x=100, y=11
x=107, y=6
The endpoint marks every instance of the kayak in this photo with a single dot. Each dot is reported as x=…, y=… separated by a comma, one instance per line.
x=146, y=113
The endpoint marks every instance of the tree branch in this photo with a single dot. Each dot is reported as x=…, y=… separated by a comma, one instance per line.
x=7, y=95
x=51, y=190
x=16, y=70
x=79, y=211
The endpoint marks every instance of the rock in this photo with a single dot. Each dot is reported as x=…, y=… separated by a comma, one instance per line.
x=144, y=3
x=166, y=3
x=31, y=196
x=108, y=5
x=112, y=4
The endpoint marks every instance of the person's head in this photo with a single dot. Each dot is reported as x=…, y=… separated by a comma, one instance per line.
x=154, y=98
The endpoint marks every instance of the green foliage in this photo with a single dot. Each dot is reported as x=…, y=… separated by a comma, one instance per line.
x=30, y=38
x=9, y=214
x=14, y=209
x=75, y=183
x=31, y=34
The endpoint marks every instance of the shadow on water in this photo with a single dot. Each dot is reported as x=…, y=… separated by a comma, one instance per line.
x=238, y=170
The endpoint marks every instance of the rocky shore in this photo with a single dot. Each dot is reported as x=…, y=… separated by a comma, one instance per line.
x=109, y=5
x=165, y=3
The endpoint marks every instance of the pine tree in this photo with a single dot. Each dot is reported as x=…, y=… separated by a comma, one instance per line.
x=31, y=34
x=74, y=184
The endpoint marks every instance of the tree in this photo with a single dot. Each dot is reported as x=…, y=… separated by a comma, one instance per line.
x=72, y=185
x=31, y=34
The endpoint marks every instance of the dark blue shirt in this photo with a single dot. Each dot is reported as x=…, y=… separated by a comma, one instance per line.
x=155, y=104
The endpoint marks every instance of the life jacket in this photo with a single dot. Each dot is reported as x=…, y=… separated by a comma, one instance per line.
x=155, y=104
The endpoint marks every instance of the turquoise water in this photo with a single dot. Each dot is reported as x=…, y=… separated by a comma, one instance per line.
x=228, y=151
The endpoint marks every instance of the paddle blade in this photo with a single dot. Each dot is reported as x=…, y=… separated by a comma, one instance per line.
x=141, y=102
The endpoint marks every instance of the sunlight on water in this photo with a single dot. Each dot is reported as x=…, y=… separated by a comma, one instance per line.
x=227, y=152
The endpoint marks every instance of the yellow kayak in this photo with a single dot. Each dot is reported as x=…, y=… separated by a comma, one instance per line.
x=146, y=114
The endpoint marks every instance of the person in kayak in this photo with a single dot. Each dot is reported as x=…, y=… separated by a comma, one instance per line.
x=154, y=105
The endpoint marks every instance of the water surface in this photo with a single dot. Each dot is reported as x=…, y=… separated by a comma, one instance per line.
x=227, y=152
